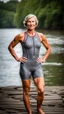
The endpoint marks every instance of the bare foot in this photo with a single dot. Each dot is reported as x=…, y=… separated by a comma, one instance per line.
x=40, y=111
x=30, y=113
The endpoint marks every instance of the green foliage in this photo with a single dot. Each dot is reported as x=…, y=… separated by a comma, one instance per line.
x=6, y=19
x=49, y=13
x=7, y=12
x=9, y=6
x=25, y=7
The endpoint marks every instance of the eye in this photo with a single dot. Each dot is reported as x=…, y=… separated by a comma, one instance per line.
x=32, y=21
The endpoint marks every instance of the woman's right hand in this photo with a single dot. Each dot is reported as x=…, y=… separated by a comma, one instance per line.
x=22, y=59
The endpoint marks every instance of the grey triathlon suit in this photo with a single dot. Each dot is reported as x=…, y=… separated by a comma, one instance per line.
x=31, y=47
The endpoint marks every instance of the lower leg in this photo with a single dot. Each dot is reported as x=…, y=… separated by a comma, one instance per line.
x=27, y=102
x=39, y=82
x=40, y=99
x=26, y=89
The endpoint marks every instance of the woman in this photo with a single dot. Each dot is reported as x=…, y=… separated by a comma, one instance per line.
x=30, y=62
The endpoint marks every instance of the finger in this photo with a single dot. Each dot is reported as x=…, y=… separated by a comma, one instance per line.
x=25, y=58
x=39, y=61
x=38, y=58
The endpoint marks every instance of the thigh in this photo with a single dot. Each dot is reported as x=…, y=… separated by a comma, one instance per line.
x=38, y=72
x=39, y=82
x=25, y=73
x=26, y=85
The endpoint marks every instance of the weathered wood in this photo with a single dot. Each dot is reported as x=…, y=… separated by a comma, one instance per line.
x=11, y=100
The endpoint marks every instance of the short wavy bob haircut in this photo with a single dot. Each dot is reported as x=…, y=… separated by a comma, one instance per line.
x=28, y=17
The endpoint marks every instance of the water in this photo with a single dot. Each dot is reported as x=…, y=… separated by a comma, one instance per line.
x=53, y=68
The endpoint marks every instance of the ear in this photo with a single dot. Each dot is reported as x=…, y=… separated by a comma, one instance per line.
x=25, y=24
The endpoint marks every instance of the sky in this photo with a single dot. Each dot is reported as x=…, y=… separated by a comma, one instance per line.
x=7, y=0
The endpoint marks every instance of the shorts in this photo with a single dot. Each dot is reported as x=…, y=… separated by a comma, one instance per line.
x=29, y=69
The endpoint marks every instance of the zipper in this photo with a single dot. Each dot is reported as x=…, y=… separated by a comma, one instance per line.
x=34, y=47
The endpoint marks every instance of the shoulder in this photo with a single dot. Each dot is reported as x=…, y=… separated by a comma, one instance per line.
x=19, y=37
x=41, y=36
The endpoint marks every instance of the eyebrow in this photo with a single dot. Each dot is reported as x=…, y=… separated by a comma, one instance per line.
x=29, y=21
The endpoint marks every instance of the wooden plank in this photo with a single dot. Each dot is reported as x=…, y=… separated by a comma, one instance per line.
x=11, y=100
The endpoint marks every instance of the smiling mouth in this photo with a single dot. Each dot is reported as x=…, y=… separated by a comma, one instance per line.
x=31, y=25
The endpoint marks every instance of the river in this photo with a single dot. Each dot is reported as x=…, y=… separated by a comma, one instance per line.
x=53, y=68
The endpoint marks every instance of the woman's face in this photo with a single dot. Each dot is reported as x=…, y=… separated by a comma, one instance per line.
x=31, y=24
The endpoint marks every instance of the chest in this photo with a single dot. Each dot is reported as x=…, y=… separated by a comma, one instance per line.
x=31, y=42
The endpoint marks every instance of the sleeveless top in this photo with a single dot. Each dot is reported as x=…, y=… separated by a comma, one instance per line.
x=31, y=48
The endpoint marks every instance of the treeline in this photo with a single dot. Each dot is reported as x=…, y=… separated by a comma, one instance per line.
x=7, y=12
x=50, y=13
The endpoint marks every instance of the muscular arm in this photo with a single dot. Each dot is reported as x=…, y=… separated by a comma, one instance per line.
x=46, y=45
x=11, y=46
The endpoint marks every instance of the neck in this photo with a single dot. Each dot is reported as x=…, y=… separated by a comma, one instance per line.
x=31, y=32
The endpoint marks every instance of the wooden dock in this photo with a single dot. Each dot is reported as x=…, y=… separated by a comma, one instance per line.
x=11, y=100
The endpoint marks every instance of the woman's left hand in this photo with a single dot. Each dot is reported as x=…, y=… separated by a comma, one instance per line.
x=41, y=60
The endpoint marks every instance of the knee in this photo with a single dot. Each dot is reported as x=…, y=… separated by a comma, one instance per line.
x=41, y=91
x=26, y=91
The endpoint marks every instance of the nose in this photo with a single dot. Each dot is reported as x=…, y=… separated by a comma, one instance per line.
x=31, y=23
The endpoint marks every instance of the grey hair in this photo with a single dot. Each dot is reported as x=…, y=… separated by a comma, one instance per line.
x=28, y=17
